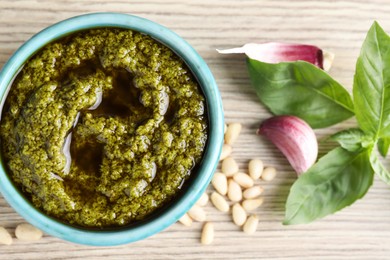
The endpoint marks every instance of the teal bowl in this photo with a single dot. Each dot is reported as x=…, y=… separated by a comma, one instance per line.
x=197, y=184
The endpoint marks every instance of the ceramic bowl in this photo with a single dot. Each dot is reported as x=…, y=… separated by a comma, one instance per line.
x=198, y=183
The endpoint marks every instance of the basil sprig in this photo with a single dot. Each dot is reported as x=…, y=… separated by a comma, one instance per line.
x=346, y=173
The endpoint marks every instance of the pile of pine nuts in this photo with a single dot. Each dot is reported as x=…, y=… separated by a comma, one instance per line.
x=232, y=187
x=24, y=232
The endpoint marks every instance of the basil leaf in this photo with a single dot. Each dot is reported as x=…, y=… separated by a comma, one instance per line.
x=379, y=169
x=300, y=89
x=350, y=139
x=383, y=145
x=371, y=88
x=337, y=180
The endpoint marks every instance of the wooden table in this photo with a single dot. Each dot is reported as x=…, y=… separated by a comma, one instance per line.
x=361, y=231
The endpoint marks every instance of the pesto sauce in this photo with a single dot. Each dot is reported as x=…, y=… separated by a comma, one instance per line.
x=101, y=128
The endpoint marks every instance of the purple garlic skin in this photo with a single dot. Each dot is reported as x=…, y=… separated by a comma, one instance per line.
x=294, y=138
x=275, y=52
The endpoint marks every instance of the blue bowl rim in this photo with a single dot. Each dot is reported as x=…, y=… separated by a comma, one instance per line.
x=210, y=157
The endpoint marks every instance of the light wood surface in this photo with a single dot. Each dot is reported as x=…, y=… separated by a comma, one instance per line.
x=361, y=231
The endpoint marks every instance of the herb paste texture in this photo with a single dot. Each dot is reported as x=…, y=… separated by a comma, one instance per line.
x=101, y=128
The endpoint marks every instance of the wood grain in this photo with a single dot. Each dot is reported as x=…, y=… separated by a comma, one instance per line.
x=361, y=231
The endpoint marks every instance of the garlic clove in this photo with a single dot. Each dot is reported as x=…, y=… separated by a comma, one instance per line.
x=274, y=52
x=294, y=138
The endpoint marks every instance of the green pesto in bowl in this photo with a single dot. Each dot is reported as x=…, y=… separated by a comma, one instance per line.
x=102, y=127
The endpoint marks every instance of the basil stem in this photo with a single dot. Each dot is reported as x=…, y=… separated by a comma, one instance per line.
x=379, y=169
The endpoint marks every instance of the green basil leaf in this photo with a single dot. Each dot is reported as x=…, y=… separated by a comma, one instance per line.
x=337, y=180
x=301, y=89
x=350, y=139
x=379, y=169
x=383, y=145
x=371, y=88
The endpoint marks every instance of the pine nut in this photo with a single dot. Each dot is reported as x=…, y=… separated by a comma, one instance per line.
x=197, y=213
x=186, y=220
x=232, y=133
x=255, y=168
x=207, y=234
x=5, y=237
x=243, y=179
x=229, y=166
x=219, y=202
x=234, y=191
x=252, y=204
x=253, y=192
x=251, y=224
x=224, y=128
x=27, y=232
x=226, y=151
x=219, y=183
x=238, y=214
x=269, y=174
x=203, y=200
